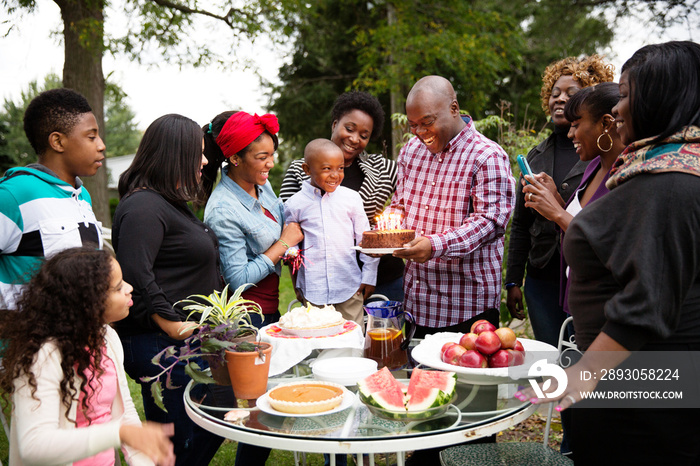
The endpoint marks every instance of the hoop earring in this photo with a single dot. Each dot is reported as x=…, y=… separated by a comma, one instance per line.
x=597, y=142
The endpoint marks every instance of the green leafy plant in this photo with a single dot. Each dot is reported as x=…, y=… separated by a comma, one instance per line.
x=218, y=308
x=221, y=320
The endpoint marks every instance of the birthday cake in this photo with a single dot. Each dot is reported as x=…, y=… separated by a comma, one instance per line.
x=376, y=239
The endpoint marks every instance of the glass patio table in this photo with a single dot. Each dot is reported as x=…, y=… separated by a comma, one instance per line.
x=477, y=411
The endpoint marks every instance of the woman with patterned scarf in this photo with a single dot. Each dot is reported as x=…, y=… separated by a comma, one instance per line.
x=635, y=274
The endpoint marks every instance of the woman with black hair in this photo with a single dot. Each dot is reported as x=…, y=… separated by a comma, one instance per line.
x=167, y=254
x=243, y=211
x=357, y=117
x=63, y=367
x=635, y=270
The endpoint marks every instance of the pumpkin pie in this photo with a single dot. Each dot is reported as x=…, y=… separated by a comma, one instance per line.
x=306, y=397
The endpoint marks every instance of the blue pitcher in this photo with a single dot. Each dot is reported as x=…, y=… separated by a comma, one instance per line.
x=385, y=341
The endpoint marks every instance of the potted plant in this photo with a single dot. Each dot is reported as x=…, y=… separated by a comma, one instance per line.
x=223, y=323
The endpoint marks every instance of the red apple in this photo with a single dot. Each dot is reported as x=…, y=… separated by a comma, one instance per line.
x=518, y=357
x=488, y=343
x=501, y=358
x=468, y=340
x=445, y=346
x=518, y=346
x=482, y=326
x=452, y=354
x=474, y=359
x=507, y=337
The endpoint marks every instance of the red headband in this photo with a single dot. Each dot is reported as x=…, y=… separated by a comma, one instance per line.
x=242, y=128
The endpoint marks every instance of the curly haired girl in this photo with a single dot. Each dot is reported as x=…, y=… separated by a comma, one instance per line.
x=63, y=366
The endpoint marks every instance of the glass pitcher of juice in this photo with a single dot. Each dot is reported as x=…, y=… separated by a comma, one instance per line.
x=385, y=341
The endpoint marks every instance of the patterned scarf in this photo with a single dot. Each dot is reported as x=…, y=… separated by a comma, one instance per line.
x=679, y=152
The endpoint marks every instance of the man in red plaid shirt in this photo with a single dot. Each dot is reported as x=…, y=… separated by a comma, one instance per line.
x=455, y=188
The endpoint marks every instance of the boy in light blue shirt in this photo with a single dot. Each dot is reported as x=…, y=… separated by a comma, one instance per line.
x=332, y=218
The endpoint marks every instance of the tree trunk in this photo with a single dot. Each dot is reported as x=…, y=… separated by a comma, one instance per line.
x=396, y=99
x=83, y=33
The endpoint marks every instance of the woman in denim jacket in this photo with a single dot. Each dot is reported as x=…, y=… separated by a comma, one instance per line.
x=243, y=211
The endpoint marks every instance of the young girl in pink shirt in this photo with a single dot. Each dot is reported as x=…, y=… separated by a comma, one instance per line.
x=63, y=366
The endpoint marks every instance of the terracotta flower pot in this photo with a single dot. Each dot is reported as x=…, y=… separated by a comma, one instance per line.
x=248, y=379
x=219, y=369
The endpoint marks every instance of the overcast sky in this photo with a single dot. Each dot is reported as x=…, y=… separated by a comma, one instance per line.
x=28, y=53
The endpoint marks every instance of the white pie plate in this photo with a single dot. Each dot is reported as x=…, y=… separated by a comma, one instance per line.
x=313, y=332
x=428, y=353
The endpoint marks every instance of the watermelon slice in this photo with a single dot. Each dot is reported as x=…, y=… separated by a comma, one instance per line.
x=444, y=381
x=383, y=390
x=426, y=389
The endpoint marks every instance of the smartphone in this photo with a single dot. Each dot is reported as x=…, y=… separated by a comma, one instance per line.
x=524, y=167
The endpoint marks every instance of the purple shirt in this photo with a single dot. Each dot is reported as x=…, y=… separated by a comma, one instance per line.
x=590, y=172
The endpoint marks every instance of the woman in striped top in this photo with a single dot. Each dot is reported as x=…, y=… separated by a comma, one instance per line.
x=358, y=117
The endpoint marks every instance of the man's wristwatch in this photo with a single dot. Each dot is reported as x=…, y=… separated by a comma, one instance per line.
x=510, y=285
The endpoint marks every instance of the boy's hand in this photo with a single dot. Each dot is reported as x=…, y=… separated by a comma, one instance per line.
x=366, y=291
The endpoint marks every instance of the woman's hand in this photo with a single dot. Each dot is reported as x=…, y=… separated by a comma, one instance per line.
x=152, y=439
x=514, y=303
x=539, y=196
x=291, y=234
x=571, y=394
x=548, y=182
x=604, y=353
x=366, y=291
x=177, y=330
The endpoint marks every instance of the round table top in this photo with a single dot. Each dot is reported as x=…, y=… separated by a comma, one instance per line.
x=477, y=411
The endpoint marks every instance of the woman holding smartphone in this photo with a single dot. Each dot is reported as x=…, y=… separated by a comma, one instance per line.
x=534, y=241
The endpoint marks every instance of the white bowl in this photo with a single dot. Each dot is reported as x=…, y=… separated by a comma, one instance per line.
x=428, y=354
x=344, y=371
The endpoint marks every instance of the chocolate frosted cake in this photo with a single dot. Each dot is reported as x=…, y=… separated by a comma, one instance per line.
x=379, y=239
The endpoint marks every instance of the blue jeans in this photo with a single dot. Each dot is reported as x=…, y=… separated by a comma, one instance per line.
x=546, y=315
x=193, y=445
x=269, y=319
x=392, y=290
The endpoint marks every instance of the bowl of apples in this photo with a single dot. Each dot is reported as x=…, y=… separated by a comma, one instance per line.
x=486, y=355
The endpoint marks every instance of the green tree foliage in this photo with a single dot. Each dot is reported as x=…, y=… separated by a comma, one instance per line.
x=490, y=50
x=323, y=64
x=122, y=136
x=17, y=150
x=156, y=30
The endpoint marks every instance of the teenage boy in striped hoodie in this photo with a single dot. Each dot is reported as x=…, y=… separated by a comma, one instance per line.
x=43, y=206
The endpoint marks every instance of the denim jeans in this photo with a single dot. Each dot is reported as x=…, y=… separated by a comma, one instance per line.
x=193, y=445
x=269, y=319
x=546, y=315
x=392, y=290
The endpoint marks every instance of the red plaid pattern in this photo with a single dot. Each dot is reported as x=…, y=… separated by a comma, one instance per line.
x=462, y=199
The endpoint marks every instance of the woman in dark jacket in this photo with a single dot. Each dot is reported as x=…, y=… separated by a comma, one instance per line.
x=534, y=241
